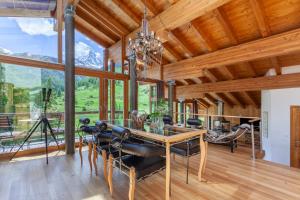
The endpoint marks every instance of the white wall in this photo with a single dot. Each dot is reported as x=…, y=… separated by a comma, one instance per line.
x=277, y=103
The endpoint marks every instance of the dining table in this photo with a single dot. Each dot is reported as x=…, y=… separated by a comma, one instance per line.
x=167, y=135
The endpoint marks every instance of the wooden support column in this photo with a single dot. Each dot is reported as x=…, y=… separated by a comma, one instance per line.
x=112, y=93
x=123, y=52
x=59, y=23
x=70, y=80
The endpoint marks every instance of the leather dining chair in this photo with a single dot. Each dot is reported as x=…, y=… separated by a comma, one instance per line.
x=188, y=148
x=136, y=160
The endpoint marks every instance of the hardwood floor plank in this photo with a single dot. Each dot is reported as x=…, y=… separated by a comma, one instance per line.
x=229, y=175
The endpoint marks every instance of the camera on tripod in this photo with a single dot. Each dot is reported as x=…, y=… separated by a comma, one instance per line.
x=43, y=123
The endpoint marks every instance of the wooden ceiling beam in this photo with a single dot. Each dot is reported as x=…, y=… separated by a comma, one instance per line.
x=225, y=99
x=223, y=20
x=203, y=37
x=105, y=17
x=20, y=12
x=214, y=79
x=176, y=16
x=276, y=64
x=174, y=53
x=203, y=102
x=175, y=37
x=128, y=11
x=236, y=99
x=90, y=32
x=150, y=6
x=88, y=10
x=210, y=99
x=275, y=45
x=264, y=29
x=249, y=84
x=90, y=18
x=250, y=99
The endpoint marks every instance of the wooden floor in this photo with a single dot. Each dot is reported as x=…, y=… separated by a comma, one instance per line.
x=230, y=176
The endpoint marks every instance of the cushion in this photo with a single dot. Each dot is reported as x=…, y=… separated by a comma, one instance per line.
x=144, y=166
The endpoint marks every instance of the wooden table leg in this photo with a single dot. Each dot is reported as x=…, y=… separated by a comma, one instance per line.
x=131, y=183
x=168, y=170
x=204, y=165
x=104, y=158
x=203, y=155
x=80, y=149
x=95, y=157
x=90, y=155
x=110, y=174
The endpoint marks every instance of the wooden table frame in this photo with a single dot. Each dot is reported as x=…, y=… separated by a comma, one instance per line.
x=168, y=141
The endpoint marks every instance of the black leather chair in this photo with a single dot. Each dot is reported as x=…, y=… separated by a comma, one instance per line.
x=188, y=148
x=167, y=119
x=137, y=160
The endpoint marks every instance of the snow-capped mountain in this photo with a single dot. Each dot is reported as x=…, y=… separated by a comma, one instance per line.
x=84, y=56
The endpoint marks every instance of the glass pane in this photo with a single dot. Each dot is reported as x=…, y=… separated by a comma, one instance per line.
x=21, y=103
x=32, y=38
x=144, y=97
x=86, y=98
x=119, y=99
x=88, y=53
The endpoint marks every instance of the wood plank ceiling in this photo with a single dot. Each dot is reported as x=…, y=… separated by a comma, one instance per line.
x=234, y=23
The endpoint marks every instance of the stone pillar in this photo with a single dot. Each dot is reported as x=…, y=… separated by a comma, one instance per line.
x=171, y=88
x=69, y=80
x=133, y=84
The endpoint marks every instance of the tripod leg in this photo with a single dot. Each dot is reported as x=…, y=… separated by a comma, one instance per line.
x=46, y=139
x=52, y=134
x=32, y=130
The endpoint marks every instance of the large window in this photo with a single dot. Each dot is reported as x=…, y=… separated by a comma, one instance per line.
x=32, y=38
x=87, y=52
x=87, y=98
x=21, y=102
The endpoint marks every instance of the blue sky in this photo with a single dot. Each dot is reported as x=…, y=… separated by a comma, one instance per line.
x=36, y=36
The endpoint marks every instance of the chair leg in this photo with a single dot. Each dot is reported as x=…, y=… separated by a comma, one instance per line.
x=80, y=150
x=232, y=146
x=131, y=183
x=110, y=174
x=187, y=169
x=90, y=155
x=95, y=158
x=104, y=158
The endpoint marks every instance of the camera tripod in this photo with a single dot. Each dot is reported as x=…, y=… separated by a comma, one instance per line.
x=42, y=122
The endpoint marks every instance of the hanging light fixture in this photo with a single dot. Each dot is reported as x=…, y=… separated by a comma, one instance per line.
x=146, y=47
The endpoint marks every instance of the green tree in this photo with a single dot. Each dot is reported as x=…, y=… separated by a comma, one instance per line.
x=3, y=97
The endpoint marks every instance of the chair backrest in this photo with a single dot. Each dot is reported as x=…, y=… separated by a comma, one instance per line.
x=121, y=133
x=194, y=122
x=101, y=126
x=167, y=119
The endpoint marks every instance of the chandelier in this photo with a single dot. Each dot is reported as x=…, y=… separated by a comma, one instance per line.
x=146, y=47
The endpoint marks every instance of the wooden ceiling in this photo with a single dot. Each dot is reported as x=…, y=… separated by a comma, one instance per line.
x=198, y=28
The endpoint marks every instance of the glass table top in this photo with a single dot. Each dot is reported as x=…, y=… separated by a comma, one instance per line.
x=157, y=128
